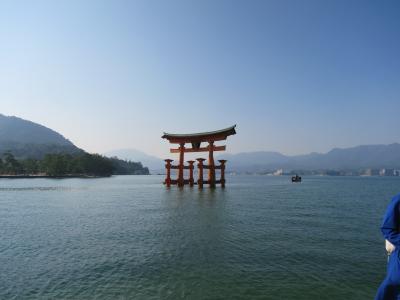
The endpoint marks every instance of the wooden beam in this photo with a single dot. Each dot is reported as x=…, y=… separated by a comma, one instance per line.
x=203, y=149
x=176, y=167
x=198, y=140
x=208, y=167
x=211, y=169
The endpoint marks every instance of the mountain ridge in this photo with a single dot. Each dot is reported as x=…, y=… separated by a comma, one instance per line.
x=34, y=135
x=27, y=139
x=357, y=157
x=27, y=147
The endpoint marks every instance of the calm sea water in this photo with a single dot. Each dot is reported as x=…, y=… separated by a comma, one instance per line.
x=129, y=237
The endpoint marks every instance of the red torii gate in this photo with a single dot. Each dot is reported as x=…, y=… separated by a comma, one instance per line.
x=195, y=139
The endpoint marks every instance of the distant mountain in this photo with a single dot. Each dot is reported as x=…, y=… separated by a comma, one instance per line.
x=155, y=164
x=355, y=158
x=360, y=157
x=26, y=139
x=255, y=161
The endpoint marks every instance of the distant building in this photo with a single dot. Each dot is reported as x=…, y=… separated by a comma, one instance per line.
x=375, y=172
x=278, y=172
x=370, y=172
x=387, y=172
x=367, y=172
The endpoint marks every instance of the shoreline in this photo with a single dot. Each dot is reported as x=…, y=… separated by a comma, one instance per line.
x=48, y=176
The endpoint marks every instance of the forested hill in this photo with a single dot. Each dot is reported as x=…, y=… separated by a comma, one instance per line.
x=28, y=148
x=67, y=165
x=26, y=139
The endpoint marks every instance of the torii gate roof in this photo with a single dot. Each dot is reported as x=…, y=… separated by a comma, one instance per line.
x=217, y=135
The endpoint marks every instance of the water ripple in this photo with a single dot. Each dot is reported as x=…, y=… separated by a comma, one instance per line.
x=130, y=238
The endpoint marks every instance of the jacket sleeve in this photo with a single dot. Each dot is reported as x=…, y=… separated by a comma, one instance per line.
x=390, y=225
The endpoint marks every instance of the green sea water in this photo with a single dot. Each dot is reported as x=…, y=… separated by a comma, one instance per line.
x=129, y=237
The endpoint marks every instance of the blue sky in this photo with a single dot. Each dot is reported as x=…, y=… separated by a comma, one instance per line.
x=295, y=76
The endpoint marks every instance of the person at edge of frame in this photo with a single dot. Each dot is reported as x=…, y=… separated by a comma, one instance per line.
x=390, y=287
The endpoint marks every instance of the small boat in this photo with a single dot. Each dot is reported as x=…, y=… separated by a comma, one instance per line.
x=296, y=178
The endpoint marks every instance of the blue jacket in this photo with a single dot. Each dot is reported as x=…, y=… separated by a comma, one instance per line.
x=391, y=222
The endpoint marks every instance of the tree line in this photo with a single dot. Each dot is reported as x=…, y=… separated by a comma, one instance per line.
x=69, y=165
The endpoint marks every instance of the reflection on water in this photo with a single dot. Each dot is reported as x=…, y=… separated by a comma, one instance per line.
x=35, y=188
x=130, y=237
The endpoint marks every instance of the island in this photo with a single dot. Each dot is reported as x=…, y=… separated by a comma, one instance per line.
x=68, y=165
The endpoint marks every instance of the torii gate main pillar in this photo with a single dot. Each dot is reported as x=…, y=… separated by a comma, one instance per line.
x=211, y=164
x=181, y=180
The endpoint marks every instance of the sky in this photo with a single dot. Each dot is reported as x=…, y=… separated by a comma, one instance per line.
x=295, y=76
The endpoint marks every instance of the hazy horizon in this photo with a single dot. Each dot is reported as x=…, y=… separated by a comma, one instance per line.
x=190, y=156
x=296, y=77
